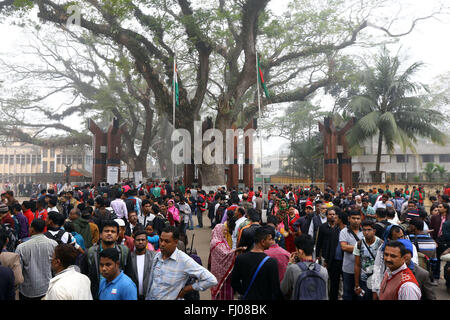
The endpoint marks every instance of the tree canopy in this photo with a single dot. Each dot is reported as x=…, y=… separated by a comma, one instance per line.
x=393, y=106
x=302, y=48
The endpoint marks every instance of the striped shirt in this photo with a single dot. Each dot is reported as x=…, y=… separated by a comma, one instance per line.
x=424, y=244
x=35, y=258
x=169, y=276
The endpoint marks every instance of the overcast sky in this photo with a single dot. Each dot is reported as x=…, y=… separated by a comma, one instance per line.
x=429, y=42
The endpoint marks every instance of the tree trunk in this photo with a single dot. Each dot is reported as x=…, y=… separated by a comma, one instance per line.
x=213, y=175
x=137, y=164
x=165, y=166
x=380, y=145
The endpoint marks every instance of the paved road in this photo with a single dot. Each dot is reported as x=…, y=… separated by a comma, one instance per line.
x=202, y=239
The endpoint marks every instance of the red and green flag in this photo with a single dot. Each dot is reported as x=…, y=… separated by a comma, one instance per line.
x=175, y=83
x=261, y=79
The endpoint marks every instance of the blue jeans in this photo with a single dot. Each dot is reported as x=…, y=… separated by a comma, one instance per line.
x=348, y=286
x=191, y=222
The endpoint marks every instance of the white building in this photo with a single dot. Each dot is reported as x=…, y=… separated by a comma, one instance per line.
x=395, y=165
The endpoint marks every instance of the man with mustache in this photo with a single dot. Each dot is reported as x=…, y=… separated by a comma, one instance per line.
x=399, y=283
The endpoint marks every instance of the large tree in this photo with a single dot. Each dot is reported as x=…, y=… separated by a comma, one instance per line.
x=110, y=90
x=393, y=106
x=216, y=43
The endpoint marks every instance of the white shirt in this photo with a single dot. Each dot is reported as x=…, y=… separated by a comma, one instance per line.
x=379, y=204
x=54, y=209
x=216, y=207
x=254, y=202
x=65, y=238
x=120, y=208
x=69, y=285
x=140, y=260
x=234, y=235
x=311, y=229
x=143, y=219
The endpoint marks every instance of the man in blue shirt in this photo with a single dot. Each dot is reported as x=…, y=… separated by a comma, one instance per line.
x=116, y=285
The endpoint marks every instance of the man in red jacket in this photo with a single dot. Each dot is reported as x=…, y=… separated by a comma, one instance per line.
x=447, y=190
x=201, y=207
x=26, y=208
x=399, y=283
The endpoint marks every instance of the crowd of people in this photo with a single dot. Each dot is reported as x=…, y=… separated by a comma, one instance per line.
x=30, y=189
x=354, y=245
x=128, y=242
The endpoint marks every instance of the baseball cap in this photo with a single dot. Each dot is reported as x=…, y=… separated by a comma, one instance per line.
x=408, y=245
x=309, y=204
x=120, y=222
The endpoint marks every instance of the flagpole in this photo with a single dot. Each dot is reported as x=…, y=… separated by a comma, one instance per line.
x=259, y=126
x=173, y=112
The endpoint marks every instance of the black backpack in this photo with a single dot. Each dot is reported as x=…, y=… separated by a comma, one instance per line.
x=383, y=224
x=13, y=240
x=57, y=237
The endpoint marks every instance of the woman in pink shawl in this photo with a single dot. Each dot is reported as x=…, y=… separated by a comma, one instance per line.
x=221, y=263
x=173, y=214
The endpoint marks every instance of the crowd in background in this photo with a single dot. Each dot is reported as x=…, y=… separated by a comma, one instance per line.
x=128, y=241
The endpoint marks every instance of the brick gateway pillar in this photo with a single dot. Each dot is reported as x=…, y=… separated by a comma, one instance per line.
x=337, y=160
x=106, y=149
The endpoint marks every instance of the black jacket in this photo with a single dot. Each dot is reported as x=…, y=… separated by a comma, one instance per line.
x=7, y=291
x=323, y=236
x=267, y=283
x=332, y=243
x=132, y=272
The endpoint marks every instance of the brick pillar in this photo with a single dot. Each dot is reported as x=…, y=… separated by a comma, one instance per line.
x=99, y=158
x=188, y=174
x=346, y=163
x=326, y=148
x=113, y=139
x=330, y=155
x=333, y=162
x=233, y=169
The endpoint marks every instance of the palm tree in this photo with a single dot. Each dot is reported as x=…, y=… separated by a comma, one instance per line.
x=429, y=171
x=441, y=170
x=392, y=107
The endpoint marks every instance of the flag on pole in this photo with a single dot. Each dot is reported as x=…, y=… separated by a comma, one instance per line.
x=261, y=79
x=175, y=83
